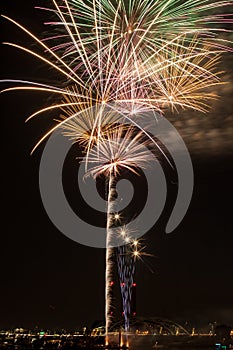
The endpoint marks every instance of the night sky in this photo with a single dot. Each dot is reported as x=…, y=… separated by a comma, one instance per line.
x=48, y=280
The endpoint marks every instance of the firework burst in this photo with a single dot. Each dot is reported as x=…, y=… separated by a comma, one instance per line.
x=136, y=55
x=134, y=52
x=119, y=148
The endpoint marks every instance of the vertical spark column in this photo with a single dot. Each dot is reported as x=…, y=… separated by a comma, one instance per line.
x=108, y=259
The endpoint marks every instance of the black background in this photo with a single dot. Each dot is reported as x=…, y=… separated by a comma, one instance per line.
x=48, y=280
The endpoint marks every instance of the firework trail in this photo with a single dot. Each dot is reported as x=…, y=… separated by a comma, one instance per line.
x=137, y=55
x=127, y=255
x=126, y=269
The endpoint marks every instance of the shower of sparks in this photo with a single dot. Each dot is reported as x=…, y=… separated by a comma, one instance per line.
x=139, y=55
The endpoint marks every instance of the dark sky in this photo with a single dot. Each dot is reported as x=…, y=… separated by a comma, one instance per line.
x=50, y=281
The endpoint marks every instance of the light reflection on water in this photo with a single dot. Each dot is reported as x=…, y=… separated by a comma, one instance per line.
x=171, y=348
x=142, y=347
